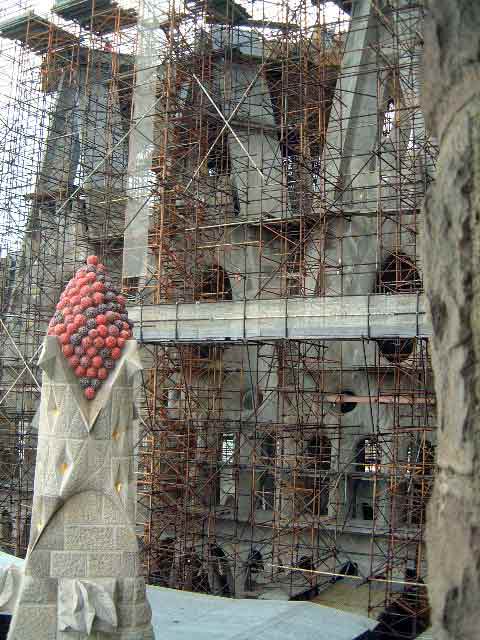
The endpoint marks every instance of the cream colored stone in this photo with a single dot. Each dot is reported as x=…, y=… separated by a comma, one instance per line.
x=83, y=544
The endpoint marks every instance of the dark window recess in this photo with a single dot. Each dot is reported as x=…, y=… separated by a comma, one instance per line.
x=397, y=275
x=316, y=169
x=388, y=118
x=220, y=576
x=214, y=285
x=347, y=406
x=306, y=562
x=368, y=455
x=265, y=496
x=130, y=285
x=289, y=147
x=236, y=201
x=316, y=482
x=218, y=161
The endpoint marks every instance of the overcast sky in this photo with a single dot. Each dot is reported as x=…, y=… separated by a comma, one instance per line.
x=331, y=11
x=22, y=129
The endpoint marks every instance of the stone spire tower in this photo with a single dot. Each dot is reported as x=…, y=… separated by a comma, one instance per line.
x=82, y=575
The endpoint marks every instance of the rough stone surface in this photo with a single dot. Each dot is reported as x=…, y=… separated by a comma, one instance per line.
x=451, y=100
x=83, y=556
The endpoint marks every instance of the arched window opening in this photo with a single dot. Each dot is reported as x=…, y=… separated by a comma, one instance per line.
x=218, y=161
x=315, y=481
x=343, y=403
x=265, y=481
x=220, y=576
x=368, y=455
x=254, y=567
x=291, y=158
x=397, y=275
x=215, y=285
x=228, y=448
x=193, y=573
x=226, y=469
x=389, y=118
x=367, y=464
x=306, y=562
x=319, y=452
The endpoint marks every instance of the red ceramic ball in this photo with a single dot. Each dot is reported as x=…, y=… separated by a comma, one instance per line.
x=77, y=310
x=80, y=372
x=110, y=316
x=101, y=319
x=75, y=300
x=98, y=286
x=121, y=343
x=85, y=290
x=68, y=319
x=91, y=372
x=116, y=353
x=110, y=342
x=121, y=300
x=90, y=277
x=102, y=330
x=74, y=362
x=98, y=298
x=93, y=334
x=102, y=374
x=81, y=282
x=91, y=352
x=64, y=338
x=85, y=361
x=71, y=329
x=125, y=334
x=80, y=318
x=92, y=260
x=67, y=350
x=87, y=342
x=59, y=329
x=99, y=342
x=86, y=302
x=97, y=362
x=89, y=393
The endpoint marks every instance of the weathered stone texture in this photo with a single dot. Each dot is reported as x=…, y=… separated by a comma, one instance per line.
x=83, y=546
x=451, y=99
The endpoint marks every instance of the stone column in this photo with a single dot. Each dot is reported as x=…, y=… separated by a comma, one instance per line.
x=82, y=575
x=451, y=99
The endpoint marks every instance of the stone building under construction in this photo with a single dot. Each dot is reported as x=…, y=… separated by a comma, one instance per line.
x=253, y=174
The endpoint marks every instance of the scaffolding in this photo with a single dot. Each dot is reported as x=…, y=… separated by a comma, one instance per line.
x=254, y=174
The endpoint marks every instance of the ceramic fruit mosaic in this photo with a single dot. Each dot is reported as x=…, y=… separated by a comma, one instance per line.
x=92, y=325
